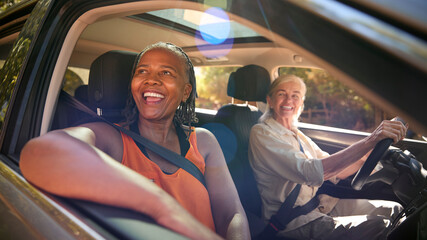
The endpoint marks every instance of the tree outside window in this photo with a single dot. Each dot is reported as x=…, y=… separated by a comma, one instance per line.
x=329, y=102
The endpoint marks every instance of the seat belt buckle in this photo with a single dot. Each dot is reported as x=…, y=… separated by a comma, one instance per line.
x=273, y=226
x=276, y=224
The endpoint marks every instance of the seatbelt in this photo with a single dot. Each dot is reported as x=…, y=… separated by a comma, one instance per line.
x=165, y=153
x=287, y=212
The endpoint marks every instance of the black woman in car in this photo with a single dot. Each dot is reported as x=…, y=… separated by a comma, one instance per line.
x=96, y=162
x=282, y=158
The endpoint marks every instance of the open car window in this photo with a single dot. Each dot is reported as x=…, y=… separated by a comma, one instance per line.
x=330, y=102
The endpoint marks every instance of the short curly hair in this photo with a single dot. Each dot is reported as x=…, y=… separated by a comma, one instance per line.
x=185, y=113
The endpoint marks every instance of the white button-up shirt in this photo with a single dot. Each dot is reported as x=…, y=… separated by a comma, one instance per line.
x=279, y=164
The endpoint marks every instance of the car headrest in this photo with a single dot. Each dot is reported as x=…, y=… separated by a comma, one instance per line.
x=81, y=94
x=109, y=78
x=249, y=83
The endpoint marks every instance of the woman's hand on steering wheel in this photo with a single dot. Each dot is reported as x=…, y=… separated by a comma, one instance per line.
x=394, y=129
x=385, y=134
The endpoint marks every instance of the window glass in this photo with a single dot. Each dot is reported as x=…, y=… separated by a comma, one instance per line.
x=9, y=74
x=4, y=51
x=5, y=5
x=12, y=67
x=328, y=102
x=4, y=107
x=212, y=86
x=75, y=77
x=6, y=87
x=192, y=19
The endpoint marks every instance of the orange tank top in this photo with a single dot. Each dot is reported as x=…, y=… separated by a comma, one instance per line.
x=185, y=188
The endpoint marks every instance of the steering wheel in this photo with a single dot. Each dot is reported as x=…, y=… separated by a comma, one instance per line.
x=377, y=153
x=373, y=159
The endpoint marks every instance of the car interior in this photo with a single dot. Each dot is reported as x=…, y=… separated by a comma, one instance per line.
x=101, y=47
x=108, y=55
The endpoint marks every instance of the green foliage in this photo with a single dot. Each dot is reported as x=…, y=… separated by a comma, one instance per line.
x=9, y=74
x=72, y=81
x=6, y=4
x=12, y=67
x=212, y=86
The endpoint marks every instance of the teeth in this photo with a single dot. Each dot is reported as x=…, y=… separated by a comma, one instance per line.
x=286, y=108
x=152, y=94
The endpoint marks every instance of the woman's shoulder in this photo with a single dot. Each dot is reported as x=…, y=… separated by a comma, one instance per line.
x=108, y=138
x=259, y=125
x=203, y=134
x=261, y=128
x=301, y=135
x=100, y=128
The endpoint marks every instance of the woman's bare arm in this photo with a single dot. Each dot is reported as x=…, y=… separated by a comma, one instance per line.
x=66, y=163
x=335, y=164
x=229, y=216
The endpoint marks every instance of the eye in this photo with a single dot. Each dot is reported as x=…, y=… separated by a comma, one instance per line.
x=166, y=73
x=141, y=71
x=295, y=97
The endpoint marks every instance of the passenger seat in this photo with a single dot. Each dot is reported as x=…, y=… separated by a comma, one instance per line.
x=109, y=79
x=248, y=83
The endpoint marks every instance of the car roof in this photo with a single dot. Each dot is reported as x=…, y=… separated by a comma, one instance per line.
x=408, y=15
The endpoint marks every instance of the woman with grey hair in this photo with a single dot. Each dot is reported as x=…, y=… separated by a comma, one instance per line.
x=282, y=157
x=285, y=78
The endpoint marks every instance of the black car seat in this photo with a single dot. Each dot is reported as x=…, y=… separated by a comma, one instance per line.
x=109, y=79
x=81, y=93
x=248, y=83
x=67, y=115
x=106, y=92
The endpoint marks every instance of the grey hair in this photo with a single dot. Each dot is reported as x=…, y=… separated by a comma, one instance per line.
x=185, y=113
x=273, y=87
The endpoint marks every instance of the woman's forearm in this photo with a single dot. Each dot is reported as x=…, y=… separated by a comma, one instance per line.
x=238, y=229
x=345, y=162
x=66, y=166
x=336, y=163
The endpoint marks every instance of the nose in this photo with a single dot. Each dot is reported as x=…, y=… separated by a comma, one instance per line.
x=153, y=79
x=287, y=98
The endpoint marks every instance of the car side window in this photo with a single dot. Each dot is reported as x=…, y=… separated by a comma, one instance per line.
x=331, y=103
x=212, y=86
x=7, y=80
x=14, y=47
x=6, y=83
x=75, y=77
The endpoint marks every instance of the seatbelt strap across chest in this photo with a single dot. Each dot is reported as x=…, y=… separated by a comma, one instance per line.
x=287, y=212
x=165, y=153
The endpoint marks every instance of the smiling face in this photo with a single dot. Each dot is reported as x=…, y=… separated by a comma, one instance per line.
x=286, y=102
x=160, y=84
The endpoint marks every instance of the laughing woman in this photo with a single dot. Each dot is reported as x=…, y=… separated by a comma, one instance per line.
x=96, y=162
x=282, y=157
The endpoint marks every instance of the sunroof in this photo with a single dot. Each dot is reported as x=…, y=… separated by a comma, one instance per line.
x=214, y=33
x=214, y=22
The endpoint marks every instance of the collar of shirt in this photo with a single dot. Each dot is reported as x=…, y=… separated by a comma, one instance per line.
x=279, y=128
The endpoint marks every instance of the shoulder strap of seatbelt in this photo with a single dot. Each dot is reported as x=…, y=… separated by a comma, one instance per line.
x=165, y=153
x=287, y=212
